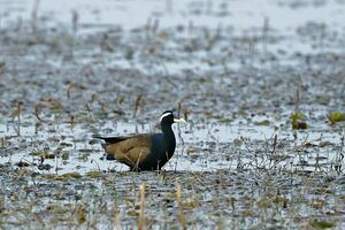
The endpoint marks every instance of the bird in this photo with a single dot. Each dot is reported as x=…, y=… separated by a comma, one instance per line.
x=144, y=152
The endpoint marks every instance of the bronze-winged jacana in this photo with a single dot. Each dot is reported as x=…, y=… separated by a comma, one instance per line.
x=144, y=151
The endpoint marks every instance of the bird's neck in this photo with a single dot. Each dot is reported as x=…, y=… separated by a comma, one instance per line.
x=169, y=137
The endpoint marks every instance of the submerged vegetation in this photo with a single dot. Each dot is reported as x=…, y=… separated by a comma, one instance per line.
x=261, y=149
x=335, y=117
x=298, y=121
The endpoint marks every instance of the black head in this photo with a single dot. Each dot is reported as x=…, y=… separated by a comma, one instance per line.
x=167, y=118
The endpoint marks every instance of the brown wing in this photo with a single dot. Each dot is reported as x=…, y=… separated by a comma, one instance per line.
x=131, y=151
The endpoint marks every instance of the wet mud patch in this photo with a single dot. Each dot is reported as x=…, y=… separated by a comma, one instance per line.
x=264, y=143
x=241, y=198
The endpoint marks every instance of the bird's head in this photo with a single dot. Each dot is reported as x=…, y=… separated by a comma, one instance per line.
x=167, y=118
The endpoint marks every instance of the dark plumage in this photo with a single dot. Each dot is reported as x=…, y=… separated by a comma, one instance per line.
x=145, y=151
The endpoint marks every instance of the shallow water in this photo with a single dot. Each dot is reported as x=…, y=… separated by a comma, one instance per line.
x=200, y=147
x=236, y=70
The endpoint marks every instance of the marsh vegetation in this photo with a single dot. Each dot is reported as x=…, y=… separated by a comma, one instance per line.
x=264, y=145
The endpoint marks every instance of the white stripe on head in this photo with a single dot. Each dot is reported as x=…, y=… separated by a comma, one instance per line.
x=165, y=115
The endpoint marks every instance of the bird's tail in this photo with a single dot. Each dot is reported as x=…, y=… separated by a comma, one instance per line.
x=97, y=136
x=104, y=145
x=110, y=140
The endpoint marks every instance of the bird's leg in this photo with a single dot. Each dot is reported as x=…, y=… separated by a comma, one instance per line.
x=158, y=168
x=138, y=160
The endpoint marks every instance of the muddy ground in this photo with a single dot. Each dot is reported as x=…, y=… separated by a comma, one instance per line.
x=239, y=163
